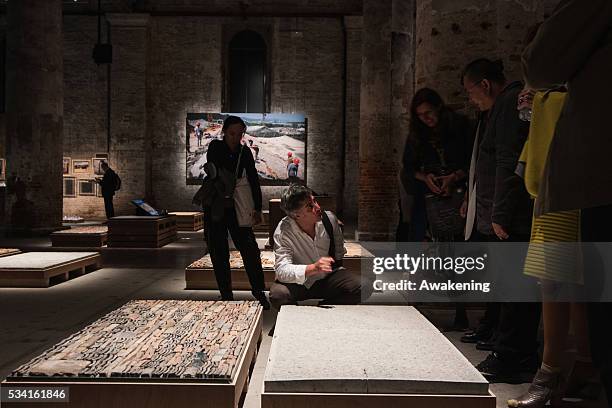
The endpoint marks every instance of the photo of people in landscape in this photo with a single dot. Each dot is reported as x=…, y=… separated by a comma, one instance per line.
x=277, y=142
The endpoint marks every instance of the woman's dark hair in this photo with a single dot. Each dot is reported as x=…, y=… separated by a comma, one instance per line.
x=484, y=68
x=233, y=120
x=418, y=129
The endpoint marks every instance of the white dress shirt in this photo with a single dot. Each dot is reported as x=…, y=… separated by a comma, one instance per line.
x=471, y=209
x=294, y=249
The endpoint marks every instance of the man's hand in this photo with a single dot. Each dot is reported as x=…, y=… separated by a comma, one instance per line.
x=525, y=99
x=446, y=182
x=500, y=232
x=432, y=183
x=463, y=209
x=323, y=265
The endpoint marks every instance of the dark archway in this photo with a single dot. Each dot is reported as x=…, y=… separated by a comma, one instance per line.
x=247, y=72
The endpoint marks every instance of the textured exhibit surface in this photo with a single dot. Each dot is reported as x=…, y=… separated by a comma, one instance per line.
x=356, y=250
x=42, y=260
x=365, y=349
x=164, y=339
x=353, y=250
x=267, y=261
x=92, y=229
x=8, y=251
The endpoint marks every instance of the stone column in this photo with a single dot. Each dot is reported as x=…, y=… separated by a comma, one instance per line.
x=386, y=83
x=353, y=26
x=130, y=147
x=34, y=114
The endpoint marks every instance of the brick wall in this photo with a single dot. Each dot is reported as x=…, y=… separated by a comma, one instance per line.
x=172, y=66
x=85, y=85
x=451, y=33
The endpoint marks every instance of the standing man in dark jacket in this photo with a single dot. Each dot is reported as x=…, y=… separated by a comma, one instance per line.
x=109, y=184
x=503, y=212
x=574, y=47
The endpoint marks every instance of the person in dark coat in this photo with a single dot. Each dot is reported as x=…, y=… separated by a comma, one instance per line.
x=502, y=211
x=109, y=184
x=574, y=47
x=230, y=157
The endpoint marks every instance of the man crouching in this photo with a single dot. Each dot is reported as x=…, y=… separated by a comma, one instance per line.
x=308, y=249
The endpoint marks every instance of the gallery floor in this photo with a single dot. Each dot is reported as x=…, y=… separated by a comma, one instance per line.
x=35, y=319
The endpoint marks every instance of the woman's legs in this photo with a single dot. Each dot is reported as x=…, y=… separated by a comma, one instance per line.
x=546, y=383
x=245, y=242
x=216, y=237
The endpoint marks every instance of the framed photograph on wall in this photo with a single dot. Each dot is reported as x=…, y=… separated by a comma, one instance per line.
x=98, y=190
x=69, y=187
x=96, y=162
x=2, y=169
x=66, y=166
x=81, y=166
x=87, y=187
x=277, y=142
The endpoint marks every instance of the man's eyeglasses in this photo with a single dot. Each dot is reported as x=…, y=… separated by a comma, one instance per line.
x=310, y=205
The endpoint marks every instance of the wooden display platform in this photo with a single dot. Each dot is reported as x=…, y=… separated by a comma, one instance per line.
x=201, y=275
x=329, y=400
x=141, y=231
x=35, y=269
x=154, y=354
x=189, y=221
x=94, y=236
x=8, y=252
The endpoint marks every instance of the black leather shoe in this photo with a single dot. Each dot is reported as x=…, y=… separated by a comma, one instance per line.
x=508, y=370
x=261, y=297
x=475, y=337
x=485, y=345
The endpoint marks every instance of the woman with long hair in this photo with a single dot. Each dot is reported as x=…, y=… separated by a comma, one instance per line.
x=435, y=166
x=436, y=156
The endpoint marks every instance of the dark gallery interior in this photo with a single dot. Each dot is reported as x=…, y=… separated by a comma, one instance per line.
x=237, y=175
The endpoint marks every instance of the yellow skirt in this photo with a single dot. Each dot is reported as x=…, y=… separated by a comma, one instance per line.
x=554, y=250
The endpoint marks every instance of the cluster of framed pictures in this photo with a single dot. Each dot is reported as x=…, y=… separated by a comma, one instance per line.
x=2, y=169
x=74, y=169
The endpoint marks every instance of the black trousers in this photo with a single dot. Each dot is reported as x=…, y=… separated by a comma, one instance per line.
x=596, y=226
x=244, y=239
x=338, y=288
x=108, y=206
x=517, y=328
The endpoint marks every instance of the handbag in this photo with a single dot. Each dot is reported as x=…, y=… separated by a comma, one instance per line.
x=243, y=197
x=445, y=221
x=443, y=214
x=206, y=193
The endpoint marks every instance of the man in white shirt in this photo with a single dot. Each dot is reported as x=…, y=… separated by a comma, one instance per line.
x=307, y=260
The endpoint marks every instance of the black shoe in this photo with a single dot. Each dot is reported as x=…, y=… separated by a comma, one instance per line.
x=227, y=296
x=475, y=337
x=510, y=370
x=271, y=332
x=485, y=345
x=456, y=328
x=261, y=297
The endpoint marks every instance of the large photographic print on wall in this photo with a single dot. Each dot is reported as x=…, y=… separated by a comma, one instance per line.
x=277, y=142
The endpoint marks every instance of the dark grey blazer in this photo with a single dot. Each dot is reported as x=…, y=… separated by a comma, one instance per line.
x=574, y=46
x=501, y=196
